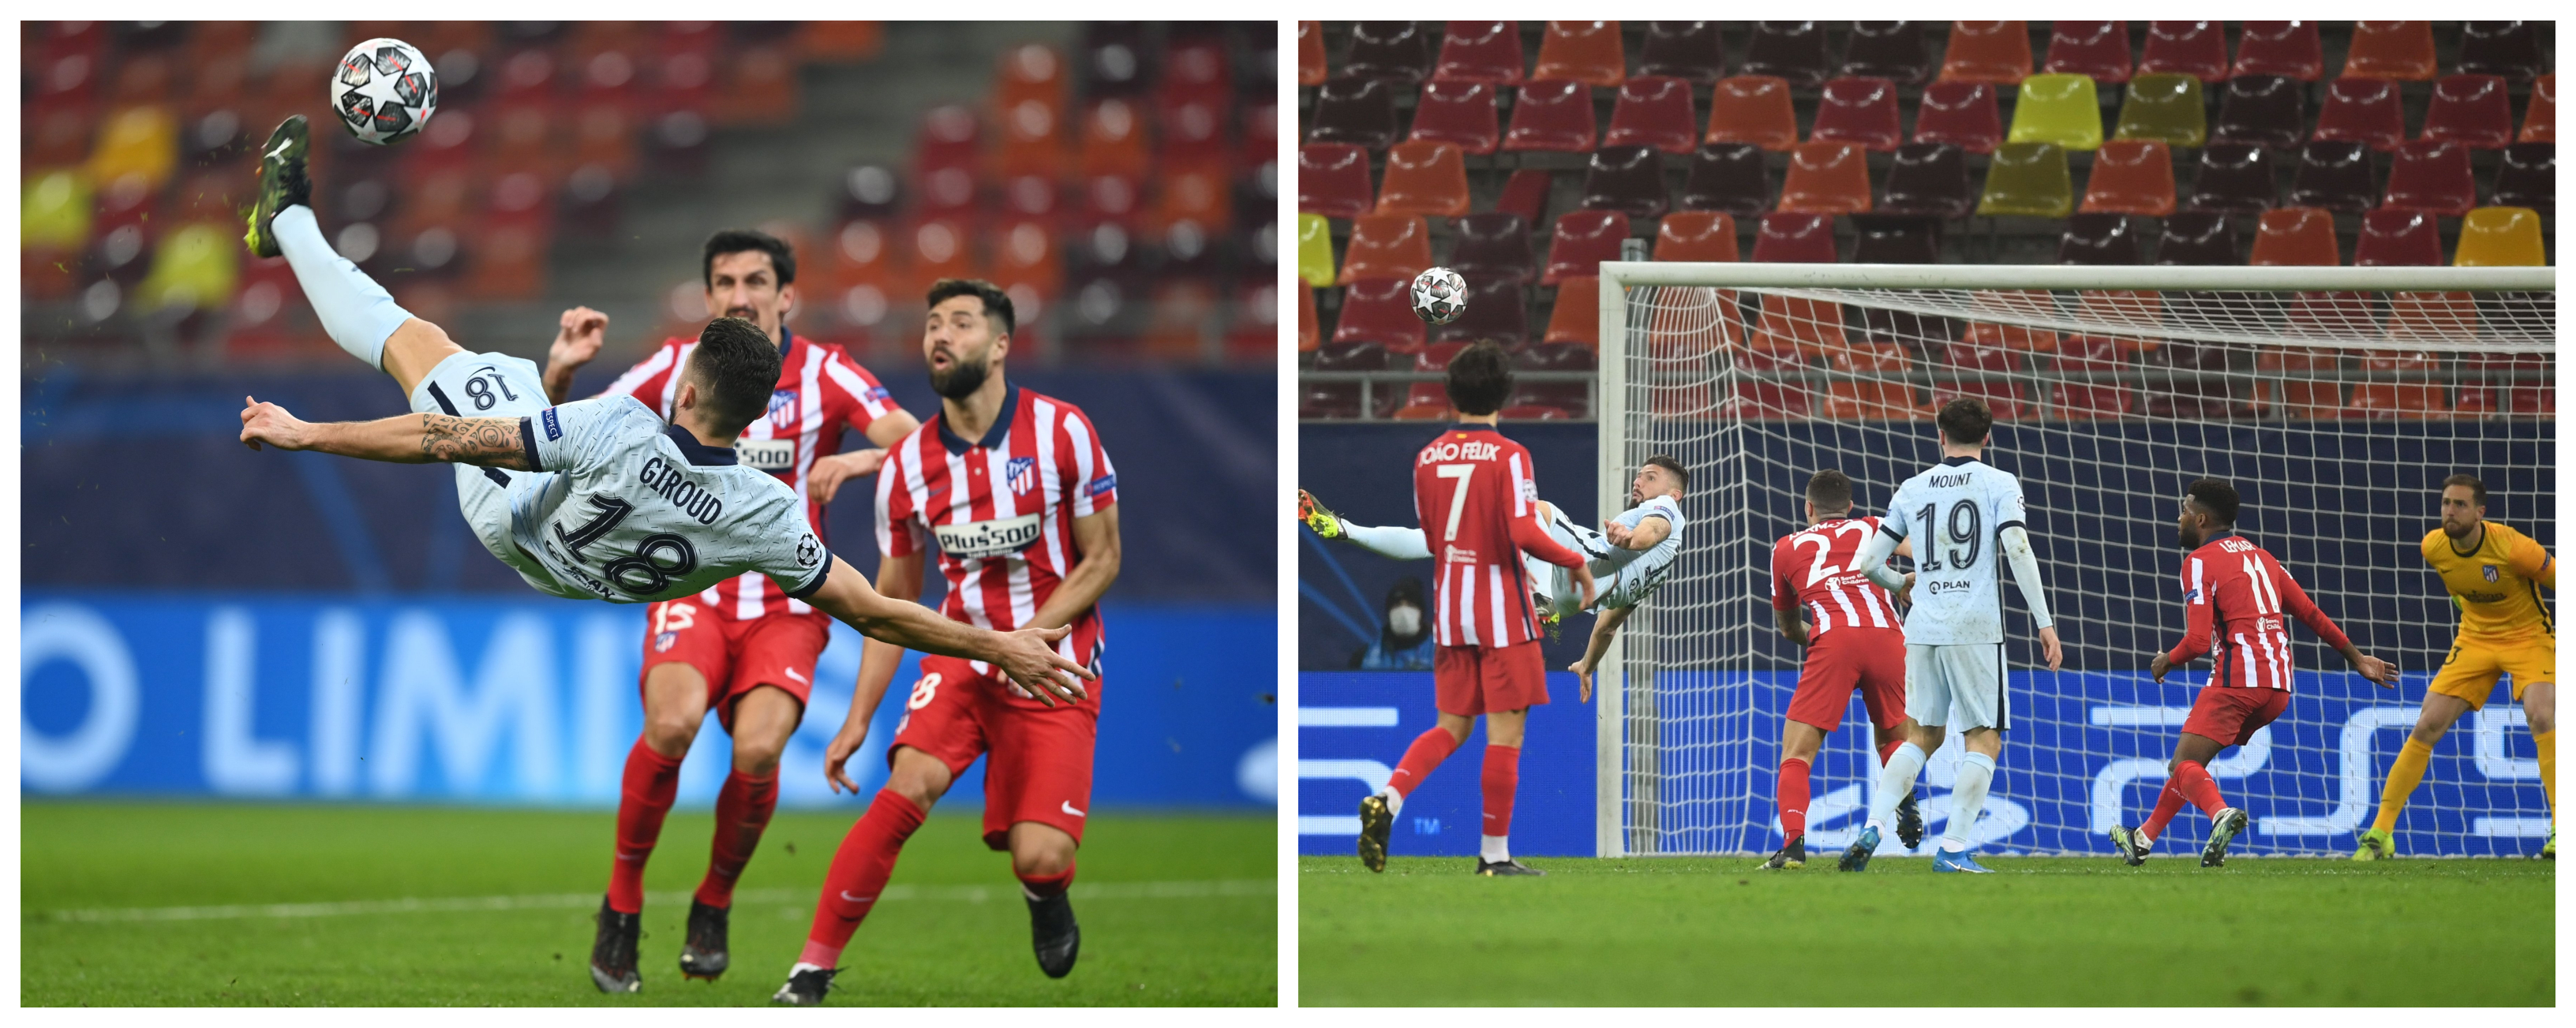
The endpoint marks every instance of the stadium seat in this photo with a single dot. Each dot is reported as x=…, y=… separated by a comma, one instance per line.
x=1961, y=114
x=1629, y=179
x=1310, y=53
x=1894, y=239
x=1495, y=310
x=2291, y=387
x=1752, y=109
x=1987, y=371
x=2383, y=400
x=1552, y=115
x=2440, y=317
x=1729, y=177
x=2394, y=238
x=1493, y=244
x=2334, y=175
x=2530, y=394
x=1996, y=52
x=2507, y=48
x=2059, y=109
x=2260, y=110
x=1889, y=397
x=2401, y=50
x=2528, y=177
x=2289, y=49
x=1795, y=238
x=2195, y=48
x=2096, y=49
x=1588, y=52
x=2092, y=398
x=2166, y=108
x=2540, y=117
x=1358, y=356
x=1114, y=144
x=1354, y=110
x=1314, y=250
x=1689, y=50
x=1860, y=111
x=1435, y=356
x=2197, y=238
x=1424, y=178
x=54, y=210
x=2432, y=176
x=1807, y=327
x=2361, y=110
x=2295, y=236
x=2131, y=176
x=1653, y=111
x=1929, y=179
x=1395, y=51
x=1480, y=51
x=1581, y=241
x=1758, y=394
x=1685, y=327
x=1333, y=180
x=1793, y=51
x=194, y=268
x=2501, y=237
x=2098, y=239
x=2028, y=179
x=1380, y=310
x=1891, y=50
x=142, y=141
x=1576, y=318
x=1696, y=236
x=1826, y=178
x=1386, y=246
x=2235, y=179
x=1458, y=113
x=2471, y=110
x=1525, y=194
x=1555, y=399
x=2200, y=388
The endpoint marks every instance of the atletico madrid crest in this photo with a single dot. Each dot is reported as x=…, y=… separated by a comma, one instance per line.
x=2488, y=570
x=1023, y=473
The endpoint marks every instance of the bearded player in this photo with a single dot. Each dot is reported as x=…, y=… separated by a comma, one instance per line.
x=2495, y=575
x=2234, y=593
x=1021, y=502
x=741, y=648
x=1854, y=640
x=1481, y=490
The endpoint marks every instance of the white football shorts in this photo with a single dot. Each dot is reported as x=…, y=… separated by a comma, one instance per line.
x=487, y=385
x=1966, y=679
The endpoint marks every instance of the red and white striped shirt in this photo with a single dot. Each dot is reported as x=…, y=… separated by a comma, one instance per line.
x=1475, y=494
x=820, y=389
x=1812, y=568
x=1001, y=510
x=2235, y=595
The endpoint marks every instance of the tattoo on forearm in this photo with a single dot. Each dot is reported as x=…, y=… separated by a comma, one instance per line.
x=487, y=442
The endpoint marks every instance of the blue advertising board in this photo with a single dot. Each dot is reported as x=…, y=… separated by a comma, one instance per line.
x=533, y=701
x=1353, y=727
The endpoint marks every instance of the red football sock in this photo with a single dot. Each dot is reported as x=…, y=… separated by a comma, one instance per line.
x=1888, y=749
x=2193, y=782
x=1049, y=885
x=1793, y=799
x=1426, y=753
x=2168, y=803
x=643, y=801
x=742, y=812
x=1502, y=778
x=859, y=872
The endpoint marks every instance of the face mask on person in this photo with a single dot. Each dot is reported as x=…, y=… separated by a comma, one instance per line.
x=1404, y=619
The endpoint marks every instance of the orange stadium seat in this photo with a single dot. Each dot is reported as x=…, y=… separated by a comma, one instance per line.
x=2131, y=176
x=2295, y=236
x=841, y=41
x=1310, y=53
x=2382, y=400
x=1424, y=178
x=1386, y=246
x=1995, y=52
x=1113, y=141
x=1752, y=109
x=1696, y=236
x=2292, y=386
x=1827, y=178
x=1870, y=399
x=760, y=88
x=2540, y=118
x=1309, y=338
x=1577, y=315
x=1589, y=52
x=1988, y=372
x=2391, y=50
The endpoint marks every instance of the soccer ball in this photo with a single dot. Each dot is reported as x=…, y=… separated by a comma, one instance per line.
x=384, y=91
x=1439, y=296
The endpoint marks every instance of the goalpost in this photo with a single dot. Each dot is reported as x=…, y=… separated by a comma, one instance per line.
x=2336, y=400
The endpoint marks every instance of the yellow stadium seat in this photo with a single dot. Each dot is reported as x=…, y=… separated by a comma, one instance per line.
x=2060, y=109
x=2165, y=108
x=1314, y=250
x=53, y=210
x=2028, y=178
x=196, y=266
x=137, y=141
x=2501, y=237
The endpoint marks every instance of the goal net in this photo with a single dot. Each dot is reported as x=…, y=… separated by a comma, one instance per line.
x=2335, y=399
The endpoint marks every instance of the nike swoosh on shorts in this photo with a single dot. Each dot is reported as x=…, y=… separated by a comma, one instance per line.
x=1068, y=808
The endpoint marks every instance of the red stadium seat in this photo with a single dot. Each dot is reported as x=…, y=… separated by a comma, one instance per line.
x=1589, y=52
x=2131, y=176
x=2098, y=239
x=1380, y=310
x=2362, y=110
x=1795, y=238
x=1495, y=310
x=2397, y=238
x=1988, y=372
x=2289, y=49
x=1025, y=257
x=2507, y=48
x=1962, y=114
x=2197, y=48
x=2335, y=176
x=1993, y=52
x=1789, y=50
x=1728, y=177
x=1879, y=399
x=1480, y=51
x=2410, y=400
x=1752, y=109
x=1354, y=110
x=1827, y=178
x=1628, y=179
x=2093, y=398
x=1757, y=394
x=1525, y=194
x=2528, y=177
x=1459, y=113
x=2400, y=50
x=1395, y=51
x=2291, y=386
x=1891, y=50
x=1653, y=111
x=1386, y=246
x=2237, y=179
x=1929, y=179
x=1552, y=115
x=1424, y=178
x=1576, y=317
x=1858, y=110
x=2502, y=395
x=2197, y=239
x=1494, y=244
x=2432, y=176
x=1691, y=50
x=1333, y=180
x=1895, y=239
x=2099, y=49
x=2260, y=110
x=2471, y=110
x=1582, y=240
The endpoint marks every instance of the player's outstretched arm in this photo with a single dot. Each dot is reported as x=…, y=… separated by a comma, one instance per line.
x=577, y=342
x=1026, y=655
x=1604, y=629
x=403, y=439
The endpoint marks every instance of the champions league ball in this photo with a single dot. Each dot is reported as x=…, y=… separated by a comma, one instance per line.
x=1439, y=296
x=384, y=91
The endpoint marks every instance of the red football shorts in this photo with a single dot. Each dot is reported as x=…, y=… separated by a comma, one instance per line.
x=1040, y=757
x=2230, y=714
x=735, y=656
x=1471, y=680
x=1845, y=659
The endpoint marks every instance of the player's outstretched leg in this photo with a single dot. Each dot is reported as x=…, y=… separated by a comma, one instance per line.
x=2133, y=845
x=1377, y=821
x=283, y=183
x=1312, y=512
x=612, y=950
x=2229, y=824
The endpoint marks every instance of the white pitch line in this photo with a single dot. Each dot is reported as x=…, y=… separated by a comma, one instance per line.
x=1201, y=889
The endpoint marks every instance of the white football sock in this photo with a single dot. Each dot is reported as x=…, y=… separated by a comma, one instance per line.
x=1894, y=783
x=357, y=312
x=1967, y=799
x=1387, y=541
x=1497, y=849
x=1394, y=800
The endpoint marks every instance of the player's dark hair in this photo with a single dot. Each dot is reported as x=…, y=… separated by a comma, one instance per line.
x=1830, y=490
x=2475, y=486
x=1966, y=420
x=1480, y=378
x=736, y=364
x=743, y=240
x=2215, y=496
x=997, y=304
x=1680, y=474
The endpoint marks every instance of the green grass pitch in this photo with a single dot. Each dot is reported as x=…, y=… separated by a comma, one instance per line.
x=1181, y=909
x=2039, y=931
